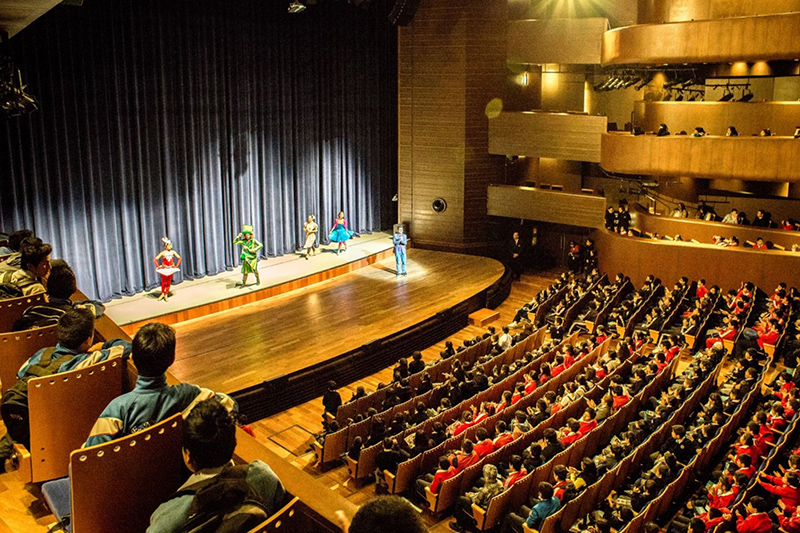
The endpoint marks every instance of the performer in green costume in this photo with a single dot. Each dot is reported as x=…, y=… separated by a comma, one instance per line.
x=249, y=257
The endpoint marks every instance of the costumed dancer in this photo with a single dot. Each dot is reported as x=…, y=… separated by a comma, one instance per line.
x=311, y=229
x=167, y=268
x=249, y=257
x=400, y=240
x=339, y=233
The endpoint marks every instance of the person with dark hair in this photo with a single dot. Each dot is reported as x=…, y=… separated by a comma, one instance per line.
x=663, y=130
x=762, y=220
x=209, y=440
x=152, y=399
x=754, y=519
x=387, y=514
x=547, y=505
x=75, y=333
x=416, y=364
x=331, y=400
x=31, y=277
x=14, y=259
x=61, y=285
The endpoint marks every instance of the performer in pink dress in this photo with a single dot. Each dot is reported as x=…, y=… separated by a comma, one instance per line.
x=167, y=268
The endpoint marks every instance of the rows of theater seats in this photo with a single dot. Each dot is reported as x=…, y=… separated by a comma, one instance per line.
x=681, y=302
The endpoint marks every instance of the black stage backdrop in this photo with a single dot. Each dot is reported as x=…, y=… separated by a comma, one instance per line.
x=190, y=118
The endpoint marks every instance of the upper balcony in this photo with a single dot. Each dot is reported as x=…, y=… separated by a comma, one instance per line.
x=756, y=38
x=570, y=136
x=565, y=41
x=659, y=11
x=713, y=157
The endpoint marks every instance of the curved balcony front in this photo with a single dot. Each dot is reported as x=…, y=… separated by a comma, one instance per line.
x=759, y=38
x=658, y=11
x=771, y=159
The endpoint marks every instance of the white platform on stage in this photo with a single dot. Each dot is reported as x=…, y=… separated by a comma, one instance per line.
x=274, y=271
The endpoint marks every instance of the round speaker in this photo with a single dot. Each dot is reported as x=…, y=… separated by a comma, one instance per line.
x=439, y=205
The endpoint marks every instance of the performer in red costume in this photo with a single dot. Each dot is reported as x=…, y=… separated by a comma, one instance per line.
x=167, y=268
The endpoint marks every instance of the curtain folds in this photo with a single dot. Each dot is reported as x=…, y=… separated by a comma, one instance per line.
x=191, y=118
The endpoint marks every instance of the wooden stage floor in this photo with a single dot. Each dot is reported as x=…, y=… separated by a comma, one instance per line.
x=229, y=351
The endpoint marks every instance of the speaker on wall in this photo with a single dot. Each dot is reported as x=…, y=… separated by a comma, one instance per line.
x=403, y=12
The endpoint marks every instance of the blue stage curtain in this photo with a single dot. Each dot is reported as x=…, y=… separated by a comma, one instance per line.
x=191, y=118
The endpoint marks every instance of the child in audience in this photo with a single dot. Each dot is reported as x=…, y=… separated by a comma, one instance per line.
x=209, y=440
x=152, y=399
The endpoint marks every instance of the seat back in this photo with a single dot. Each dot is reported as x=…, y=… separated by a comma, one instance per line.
x=288, y=518
x=406, y=473
x=17, y=347
x=116, y=486
x=334, y=446
x=12, y=309
x=62, y=410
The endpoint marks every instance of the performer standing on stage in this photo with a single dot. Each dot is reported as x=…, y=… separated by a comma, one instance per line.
x=249, y=257
x=311, y=228
x=167, y=268
x=339, y=233
x=400, y=240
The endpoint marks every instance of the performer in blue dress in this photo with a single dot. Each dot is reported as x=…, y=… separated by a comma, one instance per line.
x=400, y=240
x=339, y=233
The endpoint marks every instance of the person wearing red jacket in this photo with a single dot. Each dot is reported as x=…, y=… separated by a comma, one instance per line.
x=790, y=522
x=464, y=424
x=502, y=435
x=786, y=488
x=466, y=457
x=515, y=472
x=588, y=421
x=722, y=495
x=435, y=480
x=755, y=518
x=484, y=446
x=702, y=290
x=620, y=397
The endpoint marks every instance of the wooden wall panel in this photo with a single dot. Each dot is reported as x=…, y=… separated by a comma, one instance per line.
x=715, y=117
x=451, y=63
x=726, y=267
x=528, y=203
x=574, y=137
x=745, y=158
x=758, y=38
x=574, y=41
x=658, y=11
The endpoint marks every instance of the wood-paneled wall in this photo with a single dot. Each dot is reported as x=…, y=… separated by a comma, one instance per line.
x=574, y=137
x=658, y=11
x=575, y=41
x=452, y=62
x=746, y=158
x=715, y=117
x=583, y=210
x=761, y=38
x=726, y=267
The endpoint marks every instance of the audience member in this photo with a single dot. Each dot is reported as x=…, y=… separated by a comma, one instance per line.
x=217, y=489
x=387, y=514
x=152, y=399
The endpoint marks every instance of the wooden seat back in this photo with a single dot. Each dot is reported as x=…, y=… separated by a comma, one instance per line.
x=18, y=347
x=406, y=473
x=117, y=485
x=288, y=518
x=12, y=309
x=334, y=446
x=62, y=410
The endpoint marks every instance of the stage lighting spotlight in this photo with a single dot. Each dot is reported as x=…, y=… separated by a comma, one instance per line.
x=667, y=97
x=630, y=83
x=747, y=95
x=296, y=7
x=679, y=98
x=599, y=86
x=727, y=96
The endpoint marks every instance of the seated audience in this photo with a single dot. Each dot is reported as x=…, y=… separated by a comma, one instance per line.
x=387, y=514
x=61, y=286
x=14, y=259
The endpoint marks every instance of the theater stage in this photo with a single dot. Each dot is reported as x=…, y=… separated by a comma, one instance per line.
x=211, y=294
x=278, y=351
